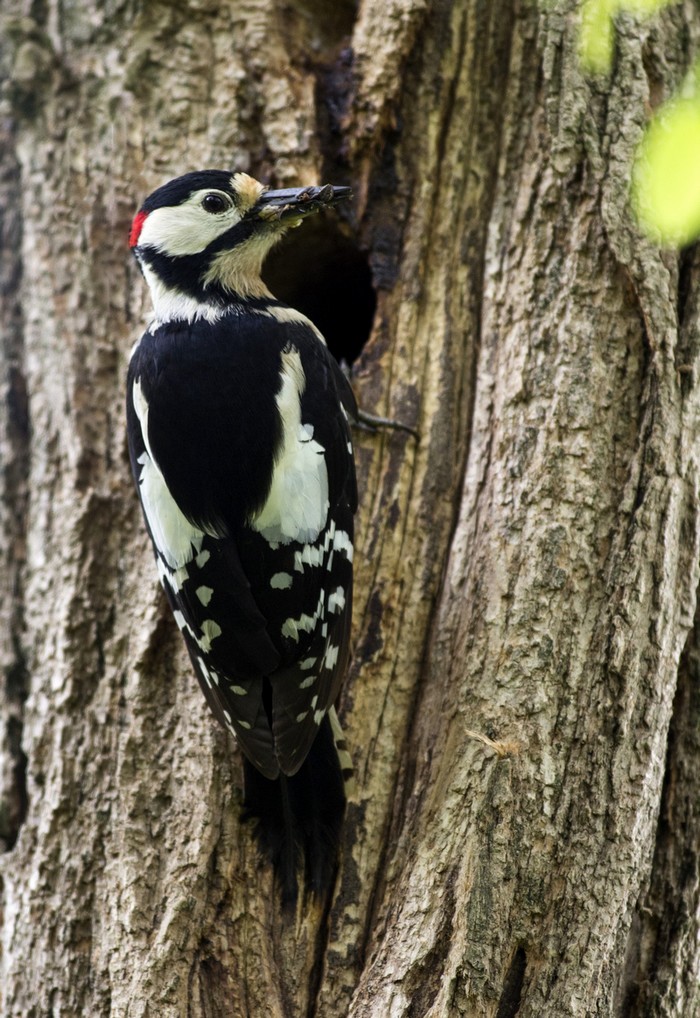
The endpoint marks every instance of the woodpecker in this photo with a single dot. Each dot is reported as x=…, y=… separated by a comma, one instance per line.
x=238, y=422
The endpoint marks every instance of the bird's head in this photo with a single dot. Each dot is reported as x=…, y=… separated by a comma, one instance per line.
x=203, y=237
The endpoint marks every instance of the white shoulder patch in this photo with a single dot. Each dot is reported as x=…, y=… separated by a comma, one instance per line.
x=297, y=506
x=286, y=314
x=177, y=540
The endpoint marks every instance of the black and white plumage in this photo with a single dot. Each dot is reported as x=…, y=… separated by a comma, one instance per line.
x=238, y=428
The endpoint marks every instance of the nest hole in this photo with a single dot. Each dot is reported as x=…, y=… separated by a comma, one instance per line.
x=321, y=271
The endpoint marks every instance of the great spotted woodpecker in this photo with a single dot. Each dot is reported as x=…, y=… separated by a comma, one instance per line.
x=239, y=438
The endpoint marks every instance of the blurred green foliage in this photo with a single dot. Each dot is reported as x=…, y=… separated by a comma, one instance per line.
x=596, y=36
x=666, y=174
x=666, y=171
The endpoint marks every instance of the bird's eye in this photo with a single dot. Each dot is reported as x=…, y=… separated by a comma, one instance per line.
x=215, y=203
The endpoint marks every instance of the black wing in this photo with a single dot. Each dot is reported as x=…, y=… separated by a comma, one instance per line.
x=266, y=625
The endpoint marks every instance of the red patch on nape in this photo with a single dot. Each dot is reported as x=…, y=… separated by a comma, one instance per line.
x=136, y=227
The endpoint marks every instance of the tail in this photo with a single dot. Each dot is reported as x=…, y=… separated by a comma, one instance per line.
x=299, y=818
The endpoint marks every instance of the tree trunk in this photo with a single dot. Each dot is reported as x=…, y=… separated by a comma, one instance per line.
x=523, y=704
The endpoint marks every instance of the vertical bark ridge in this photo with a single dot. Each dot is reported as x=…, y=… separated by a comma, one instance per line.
x=14, y=456
x=662, y=951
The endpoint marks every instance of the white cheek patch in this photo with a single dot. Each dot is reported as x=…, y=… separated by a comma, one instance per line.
x=297, y=506
x=177, y=540
x=186, y=229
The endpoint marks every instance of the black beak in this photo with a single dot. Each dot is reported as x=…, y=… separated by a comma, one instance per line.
x=295, y=202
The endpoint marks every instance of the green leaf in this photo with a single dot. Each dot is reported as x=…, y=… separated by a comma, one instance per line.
x=666, y=174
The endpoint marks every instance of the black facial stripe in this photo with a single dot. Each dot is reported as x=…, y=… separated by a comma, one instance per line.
x=185, y=272
x=182, y=274
x=238, y=234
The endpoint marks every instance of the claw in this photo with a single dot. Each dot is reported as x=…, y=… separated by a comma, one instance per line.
x=371, y=422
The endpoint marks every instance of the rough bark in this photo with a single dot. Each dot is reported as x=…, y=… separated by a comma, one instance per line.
x=523, y=699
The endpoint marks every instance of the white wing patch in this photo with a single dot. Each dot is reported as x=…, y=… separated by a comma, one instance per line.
x=177, y=540
x=297, y=506
x=286, y=314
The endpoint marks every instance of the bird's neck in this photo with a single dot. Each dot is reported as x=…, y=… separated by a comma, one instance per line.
x=210, y=303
